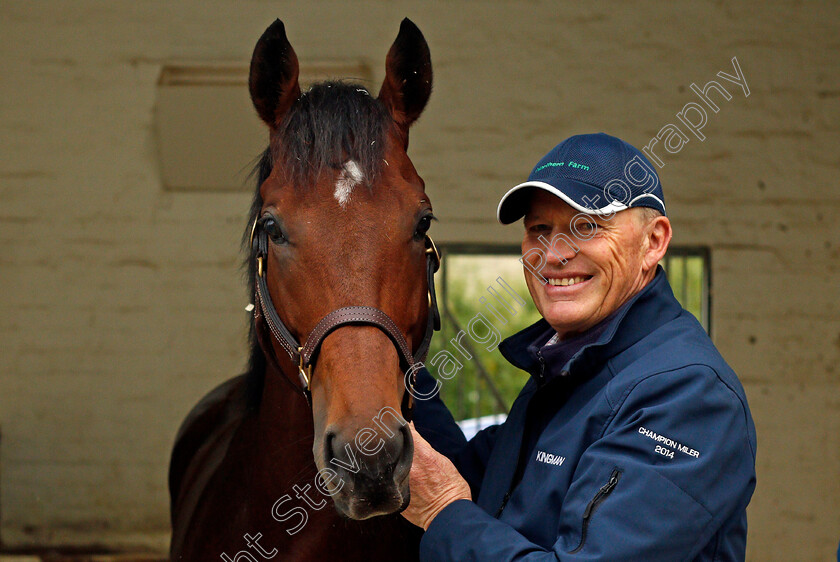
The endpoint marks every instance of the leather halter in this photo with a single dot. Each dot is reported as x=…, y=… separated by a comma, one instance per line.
x=305, y=355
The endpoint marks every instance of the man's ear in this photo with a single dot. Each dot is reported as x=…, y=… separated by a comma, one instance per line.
x=658, y=235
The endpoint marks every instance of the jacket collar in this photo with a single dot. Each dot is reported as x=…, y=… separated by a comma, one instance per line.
x=646, y=311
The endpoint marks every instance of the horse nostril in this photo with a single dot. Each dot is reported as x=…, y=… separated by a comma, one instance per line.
x=406, y=436
x=329, y=454
x=406, y=448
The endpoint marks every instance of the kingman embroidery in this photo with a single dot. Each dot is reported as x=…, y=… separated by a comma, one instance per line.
x=548, y=458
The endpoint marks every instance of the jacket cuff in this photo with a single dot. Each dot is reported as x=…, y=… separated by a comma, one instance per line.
x=448, y=530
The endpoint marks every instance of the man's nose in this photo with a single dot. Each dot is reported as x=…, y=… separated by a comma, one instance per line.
x=560, y=248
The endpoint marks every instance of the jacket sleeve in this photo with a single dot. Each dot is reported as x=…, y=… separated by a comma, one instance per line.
x=435, y=423
x=675, y=460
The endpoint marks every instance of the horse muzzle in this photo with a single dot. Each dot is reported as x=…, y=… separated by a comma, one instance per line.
x=371, y=471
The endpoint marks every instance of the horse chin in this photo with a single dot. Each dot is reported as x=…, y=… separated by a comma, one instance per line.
x=388, y=500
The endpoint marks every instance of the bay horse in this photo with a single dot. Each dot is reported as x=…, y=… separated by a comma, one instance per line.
x=307, y=455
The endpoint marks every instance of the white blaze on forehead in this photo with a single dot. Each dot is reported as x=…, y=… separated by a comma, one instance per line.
x=350, y=176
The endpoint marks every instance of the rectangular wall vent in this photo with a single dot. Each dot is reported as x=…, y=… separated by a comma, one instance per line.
x=208, y=134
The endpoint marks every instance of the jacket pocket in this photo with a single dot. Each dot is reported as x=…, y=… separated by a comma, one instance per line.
x=599, y=498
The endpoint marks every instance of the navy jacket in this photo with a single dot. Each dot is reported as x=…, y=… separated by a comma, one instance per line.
x=646, y=450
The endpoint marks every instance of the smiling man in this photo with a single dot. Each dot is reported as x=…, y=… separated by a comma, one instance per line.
x=632, y=440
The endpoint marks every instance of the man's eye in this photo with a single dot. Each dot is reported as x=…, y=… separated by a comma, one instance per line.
x=540, y=228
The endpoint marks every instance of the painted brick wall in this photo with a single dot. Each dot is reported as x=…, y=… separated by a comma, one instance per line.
x=122, y=303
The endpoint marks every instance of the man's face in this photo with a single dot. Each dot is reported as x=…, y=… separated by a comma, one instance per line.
x=609, y=268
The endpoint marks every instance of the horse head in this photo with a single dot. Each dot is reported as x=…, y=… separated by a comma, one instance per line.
x=340, y=222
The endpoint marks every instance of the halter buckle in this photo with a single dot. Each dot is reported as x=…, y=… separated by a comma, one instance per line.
x=259, y=266
x=304, y=371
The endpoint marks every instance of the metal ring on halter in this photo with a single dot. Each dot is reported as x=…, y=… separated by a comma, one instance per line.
x=253, y=229
x=305, y=371
x=251, y=245
x=433, y=249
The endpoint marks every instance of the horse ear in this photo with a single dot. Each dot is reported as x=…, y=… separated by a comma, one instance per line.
x=273, y=80
x=408, y=76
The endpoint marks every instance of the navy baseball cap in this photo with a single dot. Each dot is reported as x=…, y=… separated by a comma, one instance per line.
x=595, y=174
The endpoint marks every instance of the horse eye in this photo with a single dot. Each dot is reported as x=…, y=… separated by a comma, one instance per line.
x=423, y=226
x=273, y=230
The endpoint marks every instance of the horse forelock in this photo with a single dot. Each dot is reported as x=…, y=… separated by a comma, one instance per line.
x=330, y=124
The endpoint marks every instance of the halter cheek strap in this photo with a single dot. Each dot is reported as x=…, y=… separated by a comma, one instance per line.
x=305, y=355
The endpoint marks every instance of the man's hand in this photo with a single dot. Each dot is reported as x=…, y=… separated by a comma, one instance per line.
x=435, y=483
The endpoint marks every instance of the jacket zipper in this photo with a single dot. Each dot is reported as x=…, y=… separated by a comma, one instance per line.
x=602, y=494
x=504, y=503
x=541, y=375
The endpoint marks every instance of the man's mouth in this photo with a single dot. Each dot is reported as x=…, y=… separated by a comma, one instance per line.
x=566, y=281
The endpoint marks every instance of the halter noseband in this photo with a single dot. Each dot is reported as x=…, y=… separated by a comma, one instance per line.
x=305, y=355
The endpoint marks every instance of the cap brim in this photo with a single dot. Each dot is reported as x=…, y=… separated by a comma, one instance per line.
x=514, y=203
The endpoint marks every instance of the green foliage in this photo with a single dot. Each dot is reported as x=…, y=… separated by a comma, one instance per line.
x=686, y=276
x=468, y=394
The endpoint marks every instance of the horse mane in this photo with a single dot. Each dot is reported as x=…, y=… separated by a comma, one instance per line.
x=330, y=123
